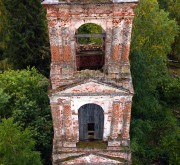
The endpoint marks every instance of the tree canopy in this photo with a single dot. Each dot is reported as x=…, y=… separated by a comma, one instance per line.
x=27, y=38
x=173, y=6
x=153, y=122
x=16, y=145
x=23, y=96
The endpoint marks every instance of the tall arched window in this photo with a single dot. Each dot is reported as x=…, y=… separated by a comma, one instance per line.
x=90, y=50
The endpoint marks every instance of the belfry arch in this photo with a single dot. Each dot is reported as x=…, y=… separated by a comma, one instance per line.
x=78, y=23
x=90, y=47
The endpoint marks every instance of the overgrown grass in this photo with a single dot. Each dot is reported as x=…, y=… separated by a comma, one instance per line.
x=92, y=144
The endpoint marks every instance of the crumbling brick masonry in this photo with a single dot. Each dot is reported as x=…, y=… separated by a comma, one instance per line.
x=90, y=105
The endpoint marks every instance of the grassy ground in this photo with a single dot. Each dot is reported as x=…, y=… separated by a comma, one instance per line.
x=92, y=144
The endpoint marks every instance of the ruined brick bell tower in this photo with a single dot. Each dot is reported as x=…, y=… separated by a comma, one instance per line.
x=92, y=90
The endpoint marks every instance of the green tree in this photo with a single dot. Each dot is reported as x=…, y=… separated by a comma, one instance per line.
x=28, y=39
x=24, y=97
x=153, y=123
x=16, y=145
x=173, y=7
x=4, y=100
x=3, y=26
x=4, y=36
x=153, y=31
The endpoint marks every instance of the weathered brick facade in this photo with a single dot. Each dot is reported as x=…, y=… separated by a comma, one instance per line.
x=111, y=89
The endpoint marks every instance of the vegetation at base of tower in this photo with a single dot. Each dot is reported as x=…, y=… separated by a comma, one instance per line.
x=92, y=144
x=154, y=126
x=26, y=42
x=16, y=145
x=23, y=96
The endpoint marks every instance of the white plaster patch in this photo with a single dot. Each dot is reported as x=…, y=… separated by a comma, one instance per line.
x=104, y=101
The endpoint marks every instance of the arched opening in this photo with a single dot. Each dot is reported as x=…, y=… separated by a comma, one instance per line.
x=91, y=122
x=90, y=50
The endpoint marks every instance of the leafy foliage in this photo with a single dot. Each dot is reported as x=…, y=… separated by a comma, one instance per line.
x=173, y=6
x=28, y=40
x=16, y=146
x=3, y=24
x=153, y=122
x=4, y=100
x=153, y=31
x=4, y=35
x=170, y=91
x=24, y=97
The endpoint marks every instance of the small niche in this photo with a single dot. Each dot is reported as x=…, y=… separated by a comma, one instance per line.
x=91, y=130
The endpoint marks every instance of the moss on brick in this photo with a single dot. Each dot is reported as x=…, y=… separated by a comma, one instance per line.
x=92, y=144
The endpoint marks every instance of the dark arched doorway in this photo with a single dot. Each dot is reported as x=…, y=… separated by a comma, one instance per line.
x=91, y=122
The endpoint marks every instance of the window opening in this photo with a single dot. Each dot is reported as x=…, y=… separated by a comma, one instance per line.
x=90, y=50
x=91, y=131
x=90, y=126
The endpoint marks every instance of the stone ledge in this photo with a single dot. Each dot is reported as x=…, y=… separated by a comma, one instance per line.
x=69, y=149
x=54, y=2
x=89, y=158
